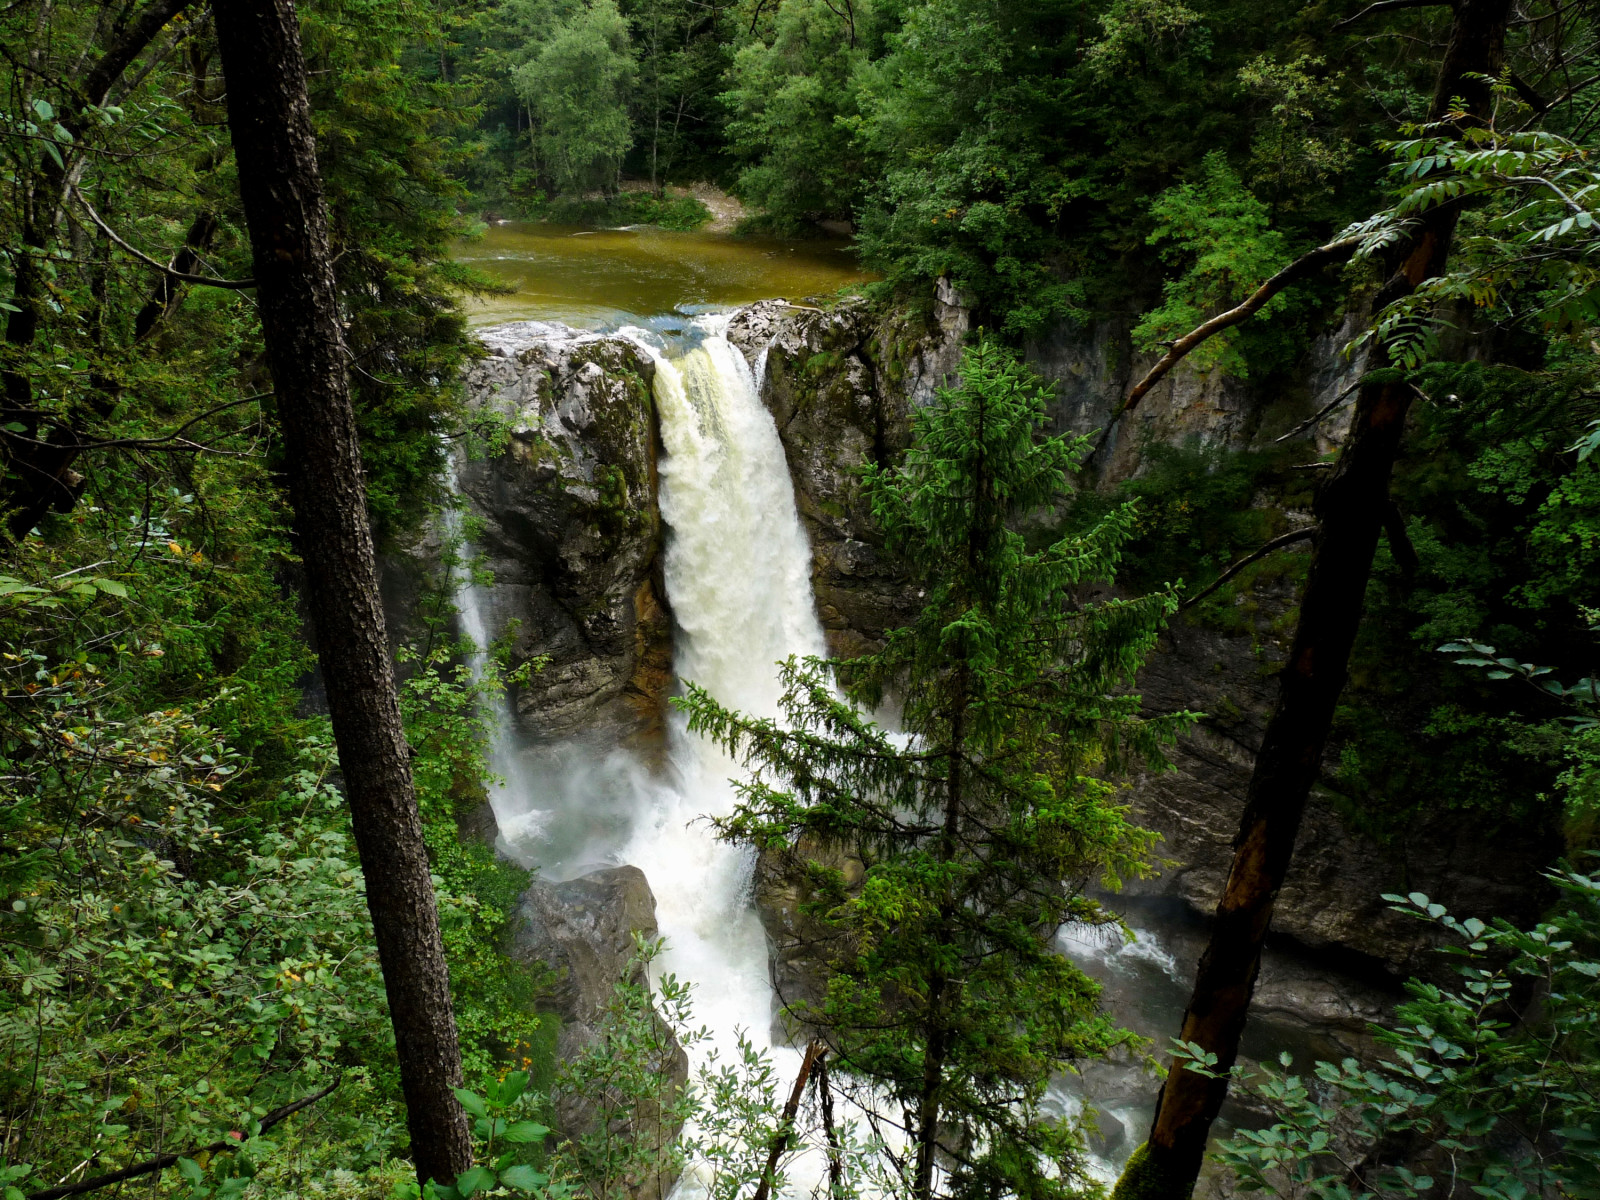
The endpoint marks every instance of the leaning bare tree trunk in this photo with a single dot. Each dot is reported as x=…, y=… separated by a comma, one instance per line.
x=281, y=187
x=1351, y=508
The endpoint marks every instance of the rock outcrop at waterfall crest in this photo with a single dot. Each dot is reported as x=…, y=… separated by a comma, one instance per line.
x=568, y=525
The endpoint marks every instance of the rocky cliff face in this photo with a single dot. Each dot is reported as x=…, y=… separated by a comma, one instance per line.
x=1092, y=367
x=1332, y=902
x=567, y=522
x=567, y=518
x=842, y=384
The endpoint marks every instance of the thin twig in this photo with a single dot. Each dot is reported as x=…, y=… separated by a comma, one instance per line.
x=182, y=277
x=1277, y=543
x=780, y=1140
x=171, y=441
x=162, y=1161
x=1405, y=554
x=1390, y=6
x=1327, y=408
x=835, y=1152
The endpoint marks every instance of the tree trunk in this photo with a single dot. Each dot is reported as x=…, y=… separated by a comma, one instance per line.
x=281, y=188
x=1352, y=507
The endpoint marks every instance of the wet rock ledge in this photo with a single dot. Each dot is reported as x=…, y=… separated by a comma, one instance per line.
x=582, y=932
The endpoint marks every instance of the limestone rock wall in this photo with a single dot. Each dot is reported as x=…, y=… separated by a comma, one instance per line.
x=567, y=520
x=1331, y=909
x=841, y=385
x=1092, y=367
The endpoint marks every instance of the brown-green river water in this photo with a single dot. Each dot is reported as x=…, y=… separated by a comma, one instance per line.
x=605, y=277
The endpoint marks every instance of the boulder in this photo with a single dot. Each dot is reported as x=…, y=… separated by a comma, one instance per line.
x=583, y=932
x=800, y=945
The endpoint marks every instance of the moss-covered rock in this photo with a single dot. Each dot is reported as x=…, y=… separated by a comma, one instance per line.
x=567, y=518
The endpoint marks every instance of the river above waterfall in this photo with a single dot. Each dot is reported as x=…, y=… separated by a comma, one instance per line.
x=603, y=278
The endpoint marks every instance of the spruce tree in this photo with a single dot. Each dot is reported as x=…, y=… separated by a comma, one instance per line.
x=982, y=820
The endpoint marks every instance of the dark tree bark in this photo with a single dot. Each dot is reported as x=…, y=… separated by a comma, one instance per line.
x=281, y=189
x=1352, y=508
x=815, y=1052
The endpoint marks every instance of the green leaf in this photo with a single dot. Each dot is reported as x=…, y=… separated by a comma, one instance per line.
x=512, y=1087
x=111, y=587
x=191, y=1170
x=43, y=110
x=522, y=1178
x=526, y=1131
x=474, y=1180
x=472, y=1102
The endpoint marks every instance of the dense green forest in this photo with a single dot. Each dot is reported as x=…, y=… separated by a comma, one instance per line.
x=192, y=1002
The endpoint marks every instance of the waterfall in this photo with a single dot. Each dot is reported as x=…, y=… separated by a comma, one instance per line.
x=738, y=577
x=514, y=817
x=737, y=569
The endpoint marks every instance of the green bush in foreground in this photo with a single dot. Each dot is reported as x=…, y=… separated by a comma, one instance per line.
x=1492, y=1086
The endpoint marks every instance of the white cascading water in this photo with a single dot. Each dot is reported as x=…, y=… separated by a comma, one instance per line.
x=514, y=817
x=738, y=578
